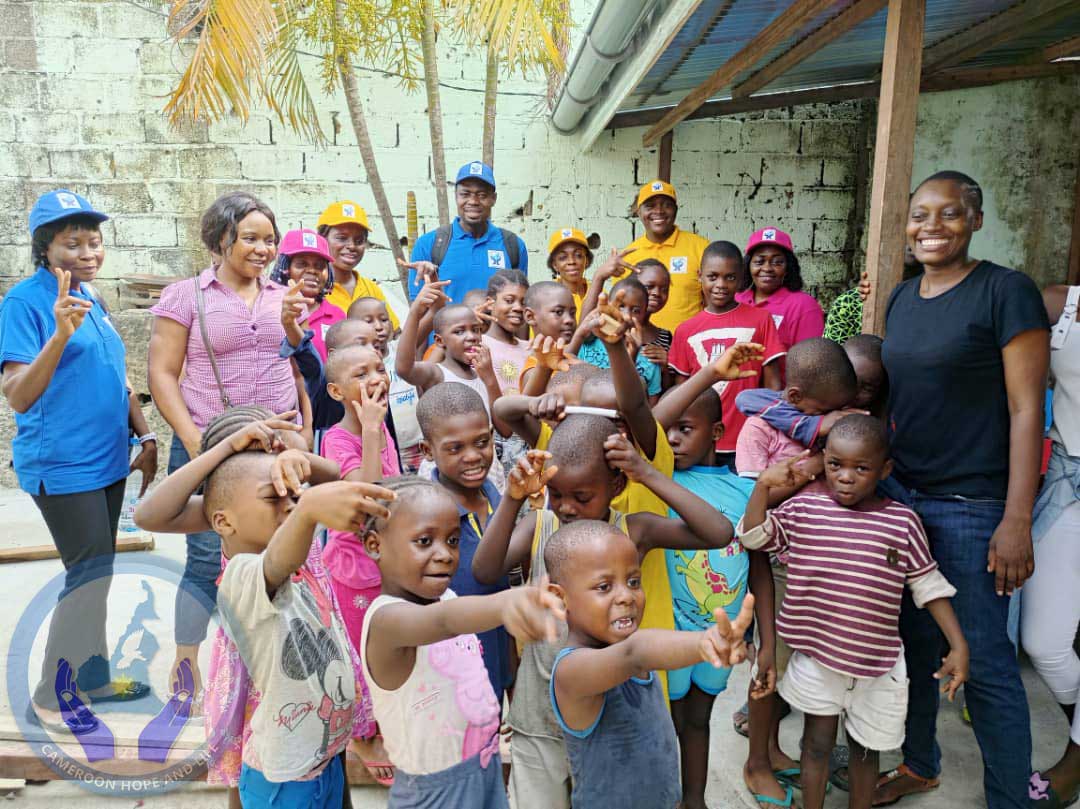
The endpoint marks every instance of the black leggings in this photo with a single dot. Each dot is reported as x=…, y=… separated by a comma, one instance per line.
x=83, y=528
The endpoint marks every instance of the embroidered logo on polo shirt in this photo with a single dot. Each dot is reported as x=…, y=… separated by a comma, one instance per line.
x=658, y=186
x=496, y=259
x=348, y=210
x=67, y=200
x=309, y=240
x=678, y=265
x=769, y=234
x=476, y=168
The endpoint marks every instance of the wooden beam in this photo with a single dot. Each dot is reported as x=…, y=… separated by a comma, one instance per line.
x=894, y=151
x=1059, y=50
x=963, y=77
x=664, y=167
x=1073, y=275
x=785, y=26
x=853, y=15
x=629, y=74
x=1017, y=21
x=33, y=553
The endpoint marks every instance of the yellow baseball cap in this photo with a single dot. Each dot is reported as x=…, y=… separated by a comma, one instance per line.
x=567, y=235
x=338, y=213
x=657, y=188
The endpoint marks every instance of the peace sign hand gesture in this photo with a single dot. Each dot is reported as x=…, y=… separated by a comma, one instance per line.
x=68, y=311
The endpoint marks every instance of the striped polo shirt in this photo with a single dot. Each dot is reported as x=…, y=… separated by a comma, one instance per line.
x=846, y=573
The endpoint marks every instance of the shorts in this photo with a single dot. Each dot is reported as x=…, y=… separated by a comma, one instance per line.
x=539, y=773
x=323, y=792
x=705, y=676
x=874, y=708
x=466, y=784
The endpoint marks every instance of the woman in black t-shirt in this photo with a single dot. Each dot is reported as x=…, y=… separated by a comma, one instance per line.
x=966, y=350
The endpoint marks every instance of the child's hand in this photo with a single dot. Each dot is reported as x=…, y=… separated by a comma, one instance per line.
x=529, y=477
x=614, y=265
x=623, y=455
x=426, y=271
x=764, y=682
x=812, y=466
x=655, y=354
x=370, y=412
x=864, y=286
x=548, y=407
x=785, y=473
x=953, y=671
x=431, y=296
x=531, y=613
x=724, y=643
x=293, y=305
x=729, y=365
x=480, y=360
x=828, y=421
x=264, y=433
x=290, y=471
x=345, y=505
x=483, y=311
x=633, y=340
x=607, y=321
x=549, y=353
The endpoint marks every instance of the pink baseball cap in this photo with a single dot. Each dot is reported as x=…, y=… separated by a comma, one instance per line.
x=304, y=241
x=769, y=235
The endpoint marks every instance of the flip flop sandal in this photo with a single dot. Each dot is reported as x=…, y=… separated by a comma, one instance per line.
x=742, y=725
x=792, y=777
x=86, y=723
x=1043, y=796
x=373, y=765
x=123, y=690
x=766, y=801
x=838, y=760
x=925, y=784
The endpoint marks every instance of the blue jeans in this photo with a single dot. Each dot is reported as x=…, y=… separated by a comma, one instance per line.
x=324, y=792
x=197, y=595
x=959, y=530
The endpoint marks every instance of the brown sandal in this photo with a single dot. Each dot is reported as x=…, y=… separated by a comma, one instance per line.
x=892, y=776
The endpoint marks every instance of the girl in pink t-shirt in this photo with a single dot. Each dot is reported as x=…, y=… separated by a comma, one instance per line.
x=506, y=302
x=304, y=266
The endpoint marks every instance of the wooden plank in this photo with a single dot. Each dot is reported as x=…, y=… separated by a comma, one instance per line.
x=785, y=26
x=1016, y=21
x=137, y=542
x=894, y=152
x=1059, y=50
x=962, y=77
x=664, y=158
x=853, y=15
x=1073, y=276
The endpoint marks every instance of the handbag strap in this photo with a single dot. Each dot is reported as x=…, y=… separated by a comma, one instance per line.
x=200, y=306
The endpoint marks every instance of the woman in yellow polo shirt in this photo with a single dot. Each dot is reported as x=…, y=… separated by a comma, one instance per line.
x=345, y=227
x=678, y=250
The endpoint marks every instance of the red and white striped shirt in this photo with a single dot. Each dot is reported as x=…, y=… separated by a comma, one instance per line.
x=846, y=573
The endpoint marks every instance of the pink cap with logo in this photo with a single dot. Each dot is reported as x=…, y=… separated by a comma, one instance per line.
x=304, y=241
x=769, y=235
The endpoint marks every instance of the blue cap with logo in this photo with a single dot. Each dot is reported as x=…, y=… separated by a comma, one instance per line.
x=61, y=204
x=476, y=171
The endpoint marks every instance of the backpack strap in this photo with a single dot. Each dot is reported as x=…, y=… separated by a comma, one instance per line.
x=442, y=243
x=512, y=247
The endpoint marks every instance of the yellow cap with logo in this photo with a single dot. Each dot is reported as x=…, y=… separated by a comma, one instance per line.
x=564, y=235
x=657, y=188
x=340, y=213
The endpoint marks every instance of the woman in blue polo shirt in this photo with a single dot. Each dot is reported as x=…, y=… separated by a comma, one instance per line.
x=63, y=374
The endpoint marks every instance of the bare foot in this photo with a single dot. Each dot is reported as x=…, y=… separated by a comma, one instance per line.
x=763, y=782
x=904, y=784
x=779, y=760
x=372, y=753
x=191, y=654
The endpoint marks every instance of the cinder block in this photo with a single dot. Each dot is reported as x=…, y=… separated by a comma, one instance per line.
x=232, y=130
x=208, y=162
x=19, y=19
x=180, y=262
x=13, y=230
x=16, y=258
x=159, y=58
x=824, y=203
x=770, y=137
x=81, y=164
x=121, y=261
x=830, y=235
x=7, y=127
x=115, y=93
x=124, y=21
x=123, y=58
x=61, y=129
x=21, y=54
x=270, y=163
x=336, y=164
x=188, y=197
x=159, y=130
x=145, y=163
x=145, y=231
x=18, y=92
x=66, y=20
x=829, y=138
x=24, y=160
x=103, y=128
x=120, y=198
x=840, y=171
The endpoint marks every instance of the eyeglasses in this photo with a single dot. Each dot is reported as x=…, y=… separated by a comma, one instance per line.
x=777, y=262
x=480, y=196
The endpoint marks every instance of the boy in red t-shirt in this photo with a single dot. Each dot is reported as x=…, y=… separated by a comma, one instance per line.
x=724, y=322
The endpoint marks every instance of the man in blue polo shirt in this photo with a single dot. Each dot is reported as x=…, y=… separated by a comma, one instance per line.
x=469, y=250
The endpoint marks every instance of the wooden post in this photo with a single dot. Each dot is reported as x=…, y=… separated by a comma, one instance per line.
x=664, y=169
x=893, y=155
x=1073, y=276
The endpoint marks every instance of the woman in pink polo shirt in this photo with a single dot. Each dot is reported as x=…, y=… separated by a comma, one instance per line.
x=304, y=259
x=773, y=281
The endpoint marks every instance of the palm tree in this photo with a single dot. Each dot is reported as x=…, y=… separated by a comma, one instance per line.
x=431, y=85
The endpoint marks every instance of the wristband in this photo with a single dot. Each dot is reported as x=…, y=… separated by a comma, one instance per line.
x=142, y=439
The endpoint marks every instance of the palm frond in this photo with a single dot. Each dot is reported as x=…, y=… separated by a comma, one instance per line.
x=524, y=32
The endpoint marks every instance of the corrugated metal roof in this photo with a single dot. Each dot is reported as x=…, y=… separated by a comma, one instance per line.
x=718, y=29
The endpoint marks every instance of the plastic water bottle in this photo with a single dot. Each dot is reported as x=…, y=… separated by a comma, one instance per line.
x=131, y=493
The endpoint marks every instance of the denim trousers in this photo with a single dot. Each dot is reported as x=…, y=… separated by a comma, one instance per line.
x=196, y=597
x=959, y=530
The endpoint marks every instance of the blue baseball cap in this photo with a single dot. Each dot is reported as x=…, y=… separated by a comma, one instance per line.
x=61, y=204
x=476, y=171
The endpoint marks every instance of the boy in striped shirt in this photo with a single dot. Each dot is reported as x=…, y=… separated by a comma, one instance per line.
x=850, y=553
